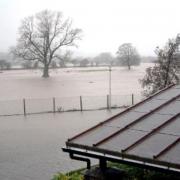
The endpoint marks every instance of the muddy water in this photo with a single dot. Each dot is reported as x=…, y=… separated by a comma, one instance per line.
x=30, y=147
x=70, y=82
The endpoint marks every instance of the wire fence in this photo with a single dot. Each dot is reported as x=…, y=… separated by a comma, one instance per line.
x=65, y=104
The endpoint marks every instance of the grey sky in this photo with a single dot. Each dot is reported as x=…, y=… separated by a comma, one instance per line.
x=106, y=24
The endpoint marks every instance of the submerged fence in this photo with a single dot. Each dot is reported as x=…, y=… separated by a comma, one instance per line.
x=64, y=104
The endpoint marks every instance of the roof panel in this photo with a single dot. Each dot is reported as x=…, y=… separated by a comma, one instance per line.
x=172, y=156
x=93, y=136
x=168, y=94
x=149, y=105
x=151, y=122
x=172, y=108
x=123, y=140
x=125, y=119
x=153, y=145
x=173, y=128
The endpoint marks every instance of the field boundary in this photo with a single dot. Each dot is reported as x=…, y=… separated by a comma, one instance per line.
x=66, y=104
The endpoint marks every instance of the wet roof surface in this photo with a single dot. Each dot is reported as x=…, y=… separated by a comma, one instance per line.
x=149, y=130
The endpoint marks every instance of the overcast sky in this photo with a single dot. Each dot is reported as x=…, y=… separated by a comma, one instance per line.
x=106, y=24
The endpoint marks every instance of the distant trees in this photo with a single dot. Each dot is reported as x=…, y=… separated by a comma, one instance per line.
x=84, y=62
x=165, y=70
x=104, y=58
x=53, y=65
x=27, y=65
x=127, y=55
x=5, y=65
x=36, y=65
x=42, y=35
x=75, y=62
x=64, y=58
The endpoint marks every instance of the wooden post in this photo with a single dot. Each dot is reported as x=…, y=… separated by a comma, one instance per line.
x=132, y=99
x=54, y=105
x=110, y=87
x=24, y=106
x=110, y=99
x=107, y=101
x=81, y=104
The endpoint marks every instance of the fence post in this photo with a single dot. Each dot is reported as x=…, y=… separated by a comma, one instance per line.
x=107, y=101
x=24, y=106
x=132, y=99
x=81, y=104
x=54, y=105
x=110, y=102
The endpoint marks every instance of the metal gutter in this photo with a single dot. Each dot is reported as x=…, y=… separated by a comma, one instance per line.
x=126, y=160
x=124, y=155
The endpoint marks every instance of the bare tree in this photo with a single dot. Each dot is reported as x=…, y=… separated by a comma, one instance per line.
x=42, y=35
x=128, y=55
x=165, y=71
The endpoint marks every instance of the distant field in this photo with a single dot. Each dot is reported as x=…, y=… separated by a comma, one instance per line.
x=70, y=82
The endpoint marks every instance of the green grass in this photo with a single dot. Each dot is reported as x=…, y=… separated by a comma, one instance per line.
x=132, y=173
x=72, y=175
x=135, y=173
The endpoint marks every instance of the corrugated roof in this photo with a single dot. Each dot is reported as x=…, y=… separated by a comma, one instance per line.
x=147, y=132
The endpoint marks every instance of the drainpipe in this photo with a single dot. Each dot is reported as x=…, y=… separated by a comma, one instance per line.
x=72, y=156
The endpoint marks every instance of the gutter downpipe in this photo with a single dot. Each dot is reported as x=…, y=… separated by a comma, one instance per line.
x=72, y=156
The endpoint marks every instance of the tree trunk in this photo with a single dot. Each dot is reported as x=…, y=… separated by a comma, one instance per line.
x=129, y=66
x=45, y=71
x=128, y=63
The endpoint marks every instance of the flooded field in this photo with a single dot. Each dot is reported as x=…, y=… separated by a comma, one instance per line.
x=70, y=82
x=30, y=147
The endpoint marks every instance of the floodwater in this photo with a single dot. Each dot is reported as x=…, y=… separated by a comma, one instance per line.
x=30, y=147
x=70, y=82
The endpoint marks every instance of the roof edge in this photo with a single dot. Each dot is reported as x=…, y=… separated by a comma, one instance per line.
x=124, y=155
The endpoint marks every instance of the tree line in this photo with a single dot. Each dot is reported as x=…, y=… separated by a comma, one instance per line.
x=68, y=60
x=45, y=36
